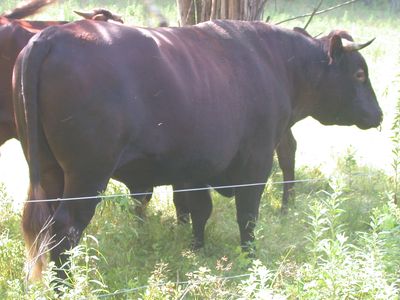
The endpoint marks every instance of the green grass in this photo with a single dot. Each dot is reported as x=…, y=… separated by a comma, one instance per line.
x=340, y=239
x=334, y=232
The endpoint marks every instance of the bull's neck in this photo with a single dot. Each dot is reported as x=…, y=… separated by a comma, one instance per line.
x=307, y=65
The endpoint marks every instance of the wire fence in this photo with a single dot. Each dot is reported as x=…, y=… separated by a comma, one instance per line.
x=185, y=190
x=188, y=190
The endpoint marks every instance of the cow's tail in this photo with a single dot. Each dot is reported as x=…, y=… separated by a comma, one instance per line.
x=26, y=9
x=37, y=215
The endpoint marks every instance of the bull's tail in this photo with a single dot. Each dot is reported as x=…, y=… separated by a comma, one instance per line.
x=27, y=9
x=36, y=224
x=37, y=215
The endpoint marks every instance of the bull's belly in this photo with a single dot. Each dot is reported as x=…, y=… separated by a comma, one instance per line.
x=150, y=172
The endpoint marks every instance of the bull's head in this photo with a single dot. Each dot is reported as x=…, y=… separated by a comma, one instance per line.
x=347, y=97
x=100, y=14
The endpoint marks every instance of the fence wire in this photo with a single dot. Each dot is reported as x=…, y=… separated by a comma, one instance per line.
x=107, y=197
x=188, y=190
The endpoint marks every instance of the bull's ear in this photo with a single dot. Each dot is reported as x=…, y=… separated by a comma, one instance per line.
x=336, y=49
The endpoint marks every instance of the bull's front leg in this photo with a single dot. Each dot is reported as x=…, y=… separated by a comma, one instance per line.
x=199, y=205
x=286, y=152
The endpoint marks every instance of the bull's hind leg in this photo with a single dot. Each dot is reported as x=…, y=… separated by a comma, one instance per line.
x=248, y=198
x=141, y=197
x=140, y=206
x=37, y=216
x=247, y=205
x=199, y=204
x=180, y=202
x=181, y=205
x=72, y=216
x=52, y=182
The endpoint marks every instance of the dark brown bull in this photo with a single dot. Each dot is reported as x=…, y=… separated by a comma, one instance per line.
x=206, y=104
x=14, y=35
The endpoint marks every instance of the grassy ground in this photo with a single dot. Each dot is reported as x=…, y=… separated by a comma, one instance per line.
x=340, y=240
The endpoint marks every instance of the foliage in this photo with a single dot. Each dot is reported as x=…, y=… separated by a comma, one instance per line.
x=340, y=268
x=84, y=280
x=396, y=145
x=313, y=253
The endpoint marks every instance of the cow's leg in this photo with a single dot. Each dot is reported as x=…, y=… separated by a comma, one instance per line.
x=37, y=216
x=180, y=202
x=286, y=152
x=72, y=217
x=199, y=204
x=247, y=205
x=141, y=203
x=182, y=205
x=52, y=182
x=248, y=198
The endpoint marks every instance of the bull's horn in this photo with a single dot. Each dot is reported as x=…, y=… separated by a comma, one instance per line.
x=86, y=15
x=99, y=17
x=351, y=46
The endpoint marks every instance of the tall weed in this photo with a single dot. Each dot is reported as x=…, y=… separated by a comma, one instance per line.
x=343, y=269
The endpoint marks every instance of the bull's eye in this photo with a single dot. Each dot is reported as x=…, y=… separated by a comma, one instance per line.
x=360, y=75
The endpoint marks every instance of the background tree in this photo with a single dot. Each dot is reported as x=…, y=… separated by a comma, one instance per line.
x=195, y=11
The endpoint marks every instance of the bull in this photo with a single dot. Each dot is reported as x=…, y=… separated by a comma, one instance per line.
x=15, y=34
x=205, y=105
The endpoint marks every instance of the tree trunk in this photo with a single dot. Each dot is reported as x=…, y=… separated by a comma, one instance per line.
x=195, y=11
x=186, y=9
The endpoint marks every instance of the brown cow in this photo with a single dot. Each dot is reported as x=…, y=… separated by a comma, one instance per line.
x=205, y=105
x=15, y=34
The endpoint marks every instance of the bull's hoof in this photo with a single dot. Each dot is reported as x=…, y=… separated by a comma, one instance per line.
x=139, y=212
x=196, y=245
x=183, y=219
x=284, y=210
x=249, y=250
